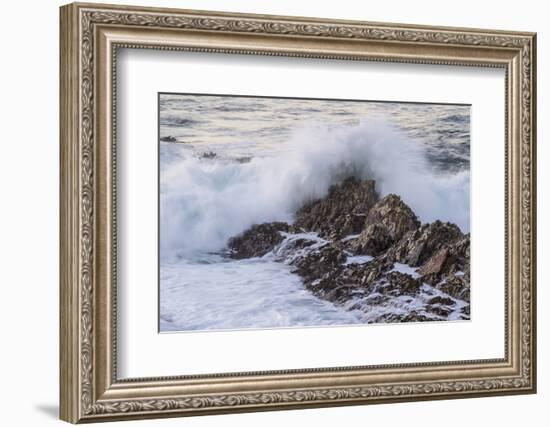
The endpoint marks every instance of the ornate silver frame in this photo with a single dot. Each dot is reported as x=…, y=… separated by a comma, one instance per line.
x=90, y=36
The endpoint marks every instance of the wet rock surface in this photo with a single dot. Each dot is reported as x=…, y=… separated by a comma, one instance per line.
x=370, y=255
x=168, y=138
x=386, y=223
x=208, y=155
x=258, y=240
x=392, y=213
x=418, y=246
x=342, y=212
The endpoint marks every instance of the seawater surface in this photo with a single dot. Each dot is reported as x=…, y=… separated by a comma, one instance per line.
x=236, y=161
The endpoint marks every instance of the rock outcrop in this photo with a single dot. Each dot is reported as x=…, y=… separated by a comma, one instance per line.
x=386, y=223
x=258, y=240
x=342, y=212
x=168, y=138
x=418, y=246
x=208, y=155
x=370, y=254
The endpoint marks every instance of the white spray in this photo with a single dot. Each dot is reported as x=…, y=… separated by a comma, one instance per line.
x=206, y=201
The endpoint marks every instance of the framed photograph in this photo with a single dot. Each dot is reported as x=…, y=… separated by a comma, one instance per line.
x=266, y=212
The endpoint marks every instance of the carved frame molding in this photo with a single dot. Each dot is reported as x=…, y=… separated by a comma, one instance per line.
x=90, y=390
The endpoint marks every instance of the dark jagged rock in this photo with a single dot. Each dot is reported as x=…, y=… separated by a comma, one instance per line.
x=342, y=293
x=395, y=215
x=168, y=138
x=440, y=300
x=342, y=212
x=387, y=222
x=317, y=264
x=373, y=240
x=208, y=155
x=258, y=240
x=246, y=159
x=367, y=274
x=293, y=248
x=439, y=309
x=337, y=282
x=450, y=258
x=456, y=286
x=386, y=229
x=449, y=269
x=400, y=284
x=413, y=316
x=438, y=263
x=417, y=246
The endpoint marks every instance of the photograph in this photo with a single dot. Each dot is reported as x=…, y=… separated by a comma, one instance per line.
x=279, y=212
x=268, y=210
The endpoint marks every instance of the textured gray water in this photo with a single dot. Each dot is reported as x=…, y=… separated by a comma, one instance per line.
x=248, y=126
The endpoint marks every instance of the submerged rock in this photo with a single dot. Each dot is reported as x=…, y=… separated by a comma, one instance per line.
x=168, y=138
x=208, y=155
x=246, y=159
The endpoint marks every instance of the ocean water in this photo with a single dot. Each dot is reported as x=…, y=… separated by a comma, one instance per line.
x=238, y=161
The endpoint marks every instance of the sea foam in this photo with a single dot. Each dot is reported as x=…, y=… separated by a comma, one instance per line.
x=203, y=202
